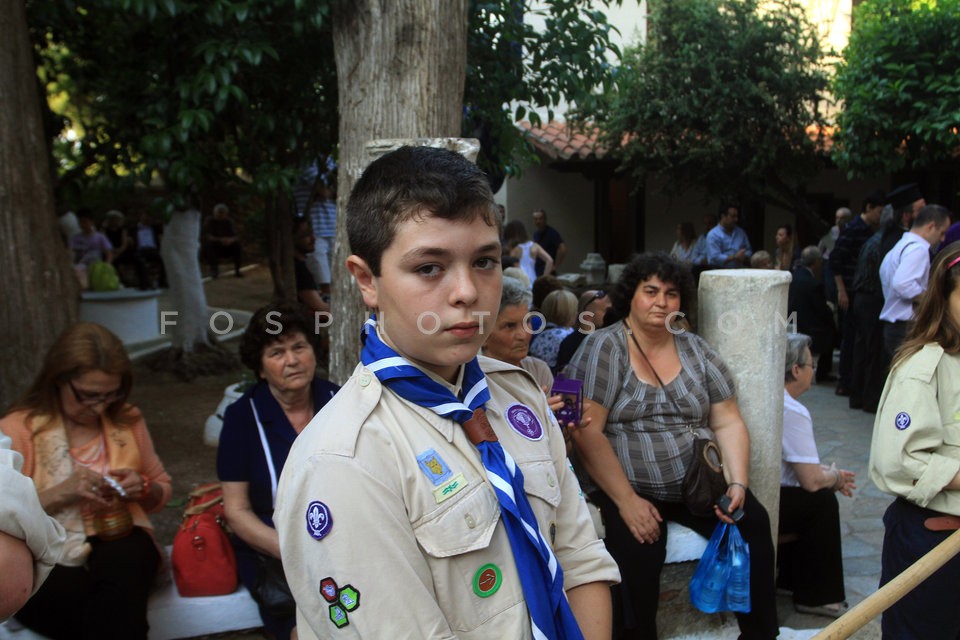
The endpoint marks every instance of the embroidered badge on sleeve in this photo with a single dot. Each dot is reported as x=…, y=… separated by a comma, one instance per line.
x=319, y=520
x=902, y=421
x=434, y=467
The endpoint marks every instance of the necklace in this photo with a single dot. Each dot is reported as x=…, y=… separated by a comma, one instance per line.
x=91, y=458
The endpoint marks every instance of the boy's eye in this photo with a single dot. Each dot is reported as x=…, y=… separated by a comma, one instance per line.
x=429, y=270
x=488, y=262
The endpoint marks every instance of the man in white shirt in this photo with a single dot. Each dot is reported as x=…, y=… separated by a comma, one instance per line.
x=905, y=270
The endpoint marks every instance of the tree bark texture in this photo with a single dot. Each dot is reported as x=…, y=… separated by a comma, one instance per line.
x=179, y=250
x=401, y=69
x=40, y=295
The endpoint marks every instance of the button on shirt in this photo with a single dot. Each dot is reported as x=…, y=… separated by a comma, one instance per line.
x=903, y=276
x=721, y=245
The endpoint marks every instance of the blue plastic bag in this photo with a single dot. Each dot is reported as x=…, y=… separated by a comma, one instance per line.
x=721, y=581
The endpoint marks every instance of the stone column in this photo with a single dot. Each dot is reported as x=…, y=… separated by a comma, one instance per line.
x=743, y=314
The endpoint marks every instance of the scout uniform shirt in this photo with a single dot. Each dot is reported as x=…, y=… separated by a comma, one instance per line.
x=916, y=435
x=389, y=527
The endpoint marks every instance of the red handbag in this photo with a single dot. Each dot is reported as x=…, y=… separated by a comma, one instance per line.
x=203, y=560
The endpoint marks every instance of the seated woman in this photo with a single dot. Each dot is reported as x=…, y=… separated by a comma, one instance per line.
x=651, y=387
x=93, y=463
x=811, y=567
x=510, y=339
x=560, y=312
x=280, y=347
x=914, y=457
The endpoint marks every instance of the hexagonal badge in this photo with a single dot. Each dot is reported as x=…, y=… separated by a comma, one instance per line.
x=338, y=616
x=349, y=597
x=328, y=589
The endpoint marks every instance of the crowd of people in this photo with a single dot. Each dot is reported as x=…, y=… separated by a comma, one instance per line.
x=450, y=462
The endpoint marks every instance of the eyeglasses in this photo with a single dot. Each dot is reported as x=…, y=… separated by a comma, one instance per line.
x=92, y=399
x=808, y=364
x=599, y=293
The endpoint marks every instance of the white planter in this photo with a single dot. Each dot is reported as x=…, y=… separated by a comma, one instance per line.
x=211, y=429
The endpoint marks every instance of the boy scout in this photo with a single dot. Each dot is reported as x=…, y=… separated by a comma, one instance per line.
x=396, y=509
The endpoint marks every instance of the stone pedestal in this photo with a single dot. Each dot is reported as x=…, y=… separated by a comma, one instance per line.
x=743, y=314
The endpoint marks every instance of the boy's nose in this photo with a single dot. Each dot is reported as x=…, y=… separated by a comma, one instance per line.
x=464, y=288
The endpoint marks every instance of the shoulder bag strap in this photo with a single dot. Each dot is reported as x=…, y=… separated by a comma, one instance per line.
x=267, y=454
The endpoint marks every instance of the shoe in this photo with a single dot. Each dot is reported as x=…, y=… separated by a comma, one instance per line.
x=823, y=610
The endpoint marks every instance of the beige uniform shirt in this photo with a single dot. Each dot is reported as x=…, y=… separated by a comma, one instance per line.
x=389, y=528
x=21, y=515
x=916, y=435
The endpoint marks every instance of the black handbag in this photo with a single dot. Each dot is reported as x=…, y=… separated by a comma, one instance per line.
x=271, y=590
x=703, y=482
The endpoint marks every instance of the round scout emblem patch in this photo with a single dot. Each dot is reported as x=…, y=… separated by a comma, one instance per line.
x=902, y=421
x=319, y=520
x=487, y=580
x=524, y=421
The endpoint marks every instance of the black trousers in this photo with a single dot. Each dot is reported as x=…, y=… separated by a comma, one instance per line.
x=216, y=252
x=641, y=564
x=932, y=609
x=105, y=599
x=848, y=331
x=868, y=371
x=812, y=566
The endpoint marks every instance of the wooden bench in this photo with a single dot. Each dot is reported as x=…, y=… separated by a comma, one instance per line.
x=172, y=616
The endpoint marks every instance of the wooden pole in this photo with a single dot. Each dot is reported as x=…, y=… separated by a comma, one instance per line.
x=848, y=624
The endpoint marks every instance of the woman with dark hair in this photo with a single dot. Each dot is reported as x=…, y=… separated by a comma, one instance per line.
x=517, y=245
x=96, y=472
x=787, y=253
x=652, y=388
x=684, y=249
x=279, y=346
x=914, y=456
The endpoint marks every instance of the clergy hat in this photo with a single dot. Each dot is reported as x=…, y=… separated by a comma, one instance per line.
x=904, y=195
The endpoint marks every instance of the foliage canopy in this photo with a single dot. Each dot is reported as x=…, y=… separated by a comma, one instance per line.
x=899, y=86
x=201, y=94
x=723, y=97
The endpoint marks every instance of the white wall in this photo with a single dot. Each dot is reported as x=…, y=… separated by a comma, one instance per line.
x=568, y=200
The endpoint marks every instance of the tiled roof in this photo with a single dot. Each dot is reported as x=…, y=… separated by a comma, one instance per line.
x=559, y=141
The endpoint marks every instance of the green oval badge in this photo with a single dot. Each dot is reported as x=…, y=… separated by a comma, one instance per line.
x=487, y=580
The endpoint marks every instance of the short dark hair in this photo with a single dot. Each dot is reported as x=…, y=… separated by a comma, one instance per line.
x=725, y=207
x=643, y=267
x=409, y=182
x=875, y=199
x=932, y=213
x=268, y=324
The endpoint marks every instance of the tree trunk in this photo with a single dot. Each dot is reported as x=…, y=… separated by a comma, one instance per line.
x=40, y=297
x=401, y=69
x=180, y=248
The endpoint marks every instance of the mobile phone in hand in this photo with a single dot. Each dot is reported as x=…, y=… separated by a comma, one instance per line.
x=724, y=503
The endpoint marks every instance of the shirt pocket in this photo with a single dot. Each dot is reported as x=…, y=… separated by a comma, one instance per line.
x=460, y=542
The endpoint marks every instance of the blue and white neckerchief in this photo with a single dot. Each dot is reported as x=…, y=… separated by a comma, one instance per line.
x=540, y=574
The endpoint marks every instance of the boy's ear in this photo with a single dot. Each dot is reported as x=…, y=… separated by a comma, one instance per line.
x=366, y=281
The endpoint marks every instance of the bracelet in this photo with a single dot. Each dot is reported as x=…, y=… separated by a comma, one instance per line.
x=738, y=484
